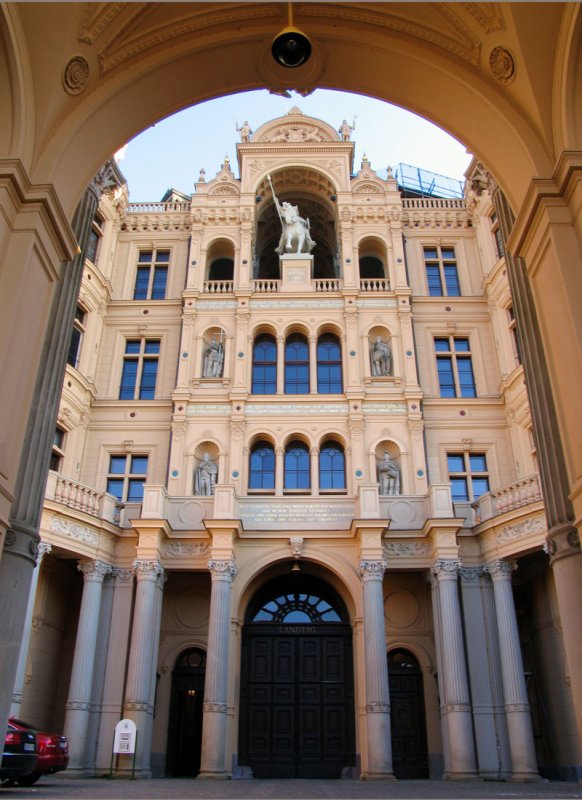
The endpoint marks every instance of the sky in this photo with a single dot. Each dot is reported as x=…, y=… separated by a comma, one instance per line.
x=171, y=153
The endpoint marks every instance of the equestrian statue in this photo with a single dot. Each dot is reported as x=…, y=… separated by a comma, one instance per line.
x=296, y=235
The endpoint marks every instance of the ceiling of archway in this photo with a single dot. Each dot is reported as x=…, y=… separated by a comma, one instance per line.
x=123, y=32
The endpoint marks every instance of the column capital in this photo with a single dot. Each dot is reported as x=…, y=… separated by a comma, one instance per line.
x=562, y=541
x=222, y=569
x=44, y=549
x=148, y=570
x=94, y=570
x=500, y=570
x=446, y=569
x=372, y=570
x=471, y=574
x=123, y=576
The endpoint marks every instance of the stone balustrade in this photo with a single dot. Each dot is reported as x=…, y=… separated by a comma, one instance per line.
x=508, y=498
x=433, y=202
x=374, y=285
x=218, y=287
x=72, y=494
x=327, y=284
x=265, y=285
x=157, y=208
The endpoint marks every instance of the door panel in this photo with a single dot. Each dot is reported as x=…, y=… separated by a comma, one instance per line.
x=296, y=701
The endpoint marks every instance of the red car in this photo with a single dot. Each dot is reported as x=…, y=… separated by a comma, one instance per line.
x=52, y=749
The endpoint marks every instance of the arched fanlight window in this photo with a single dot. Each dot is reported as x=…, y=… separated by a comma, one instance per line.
x=262, y=467
x=402, y=660
x=297, y=599
x=329, y=365
x=297, y=472
x=264, y=365
x=332, y=467
x=296, y=365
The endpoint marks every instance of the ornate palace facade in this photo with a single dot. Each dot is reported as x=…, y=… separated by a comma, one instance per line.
x=294, y=525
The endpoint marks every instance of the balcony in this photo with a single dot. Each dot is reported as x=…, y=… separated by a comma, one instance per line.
x=218, y=287
x=513, y=496
x=72, y=494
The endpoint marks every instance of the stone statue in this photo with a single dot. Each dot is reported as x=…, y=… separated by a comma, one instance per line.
x=245, y=131
x=205, y=477
x=345, y=130
x=295, y=228
x=380, y=358
x=388, y=476
x=213, y=360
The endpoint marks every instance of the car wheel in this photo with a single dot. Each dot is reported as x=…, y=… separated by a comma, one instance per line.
x=27, y=780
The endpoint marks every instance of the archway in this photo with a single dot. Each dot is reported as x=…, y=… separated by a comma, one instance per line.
x=297, y=696
x=185, y=726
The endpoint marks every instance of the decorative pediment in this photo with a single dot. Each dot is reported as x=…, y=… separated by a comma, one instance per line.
x=224, y=184
x=366, y=180
x=295, y=128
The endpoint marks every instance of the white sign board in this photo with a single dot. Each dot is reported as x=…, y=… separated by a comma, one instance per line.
x=125, y=736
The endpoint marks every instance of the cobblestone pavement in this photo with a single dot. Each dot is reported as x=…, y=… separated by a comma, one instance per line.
x=54, y=787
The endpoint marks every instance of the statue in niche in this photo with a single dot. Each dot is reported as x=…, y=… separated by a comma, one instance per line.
x=388, y=475
x=205, y=477
x=213, y=359
x=380, y=358
x=296, y=230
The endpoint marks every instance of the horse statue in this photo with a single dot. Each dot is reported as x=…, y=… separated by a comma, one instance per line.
x=296, y=235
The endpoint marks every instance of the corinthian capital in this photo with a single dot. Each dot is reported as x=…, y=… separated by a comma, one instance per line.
x=500, y=570
x=446, y=569
x=94, y=570
x=372, y=570
x=148, y=569
x=222, y=569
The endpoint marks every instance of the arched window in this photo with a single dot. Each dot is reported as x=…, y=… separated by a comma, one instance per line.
x=297, y=473
x=332, y=467
x=296, y=365
x=329, y=365
x=296, y=598
x=264, y=365
x=262, y=467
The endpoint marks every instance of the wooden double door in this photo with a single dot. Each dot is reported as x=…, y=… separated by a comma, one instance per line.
x=297, y=700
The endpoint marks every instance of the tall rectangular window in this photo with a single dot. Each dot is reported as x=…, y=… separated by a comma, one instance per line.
x=126, y=477
x=95, y=238
x=152, y=275
x=512, y=324
x=441, y=271
x=454, y=366
x=76, y=337
x=468, y=475
x=496, y=231
x=57, y=453
x=140, y=369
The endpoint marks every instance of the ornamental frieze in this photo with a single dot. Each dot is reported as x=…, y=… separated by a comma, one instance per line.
x=73, y=530
x=520, y=529
x=181, y=548
x=406, y=549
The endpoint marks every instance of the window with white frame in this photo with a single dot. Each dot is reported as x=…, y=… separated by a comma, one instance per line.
x=441, y=271
x=151, y=277
x=57, y=452
x=140, y=369
x=468, y=475
x=76, y=337
x=95, y=239
x=126, y=477
x=454, y=366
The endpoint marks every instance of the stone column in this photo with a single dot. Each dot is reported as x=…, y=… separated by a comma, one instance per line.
x=455, y=697
x=280, y=365
x=81, y=686
x=314, y=453
x=563, y=540
x=485, y=675
x=112, y=700
x=440, y=768
x=379, y=764
x=43, y=549
x=213, y=757
x=145, y=634
x=22, y=538
x=313, y=364
x=279, y=470
x=519, y=727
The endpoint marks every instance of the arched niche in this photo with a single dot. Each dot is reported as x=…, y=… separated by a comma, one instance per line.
x=372, y=259
x=220, y=261
x=380, y=353
x=388, y=468
x=312, y=193
x=206, y=468
x=212, y=362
